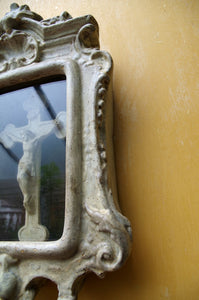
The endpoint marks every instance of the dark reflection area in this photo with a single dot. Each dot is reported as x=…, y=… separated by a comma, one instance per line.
x=11, y=209
x=32, y=122
x=52, y=191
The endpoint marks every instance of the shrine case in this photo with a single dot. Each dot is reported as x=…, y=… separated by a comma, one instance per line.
x=59, y=214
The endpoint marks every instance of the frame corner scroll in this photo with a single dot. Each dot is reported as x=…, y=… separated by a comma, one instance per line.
x=96, y=236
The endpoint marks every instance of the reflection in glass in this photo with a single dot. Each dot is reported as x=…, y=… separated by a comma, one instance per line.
x=32, y=164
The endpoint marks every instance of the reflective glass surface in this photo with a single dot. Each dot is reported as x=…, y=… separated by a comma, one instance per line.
x=32, y=159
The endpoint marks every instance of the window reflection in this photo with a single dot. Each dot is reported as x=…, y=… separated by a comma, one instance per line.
x=32, y=164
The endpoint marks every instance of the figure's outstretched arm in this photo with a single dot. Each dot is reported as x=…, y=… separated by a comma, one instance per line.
x=11, y=135
x=44, y=128
x=57, y=125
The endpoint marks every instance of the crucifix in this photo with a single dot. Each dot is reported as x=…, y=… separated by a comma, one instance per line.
x=28, y=174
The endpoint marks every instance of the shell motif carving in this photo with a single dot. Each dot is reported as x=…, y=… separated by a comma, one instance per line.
x=21, y=50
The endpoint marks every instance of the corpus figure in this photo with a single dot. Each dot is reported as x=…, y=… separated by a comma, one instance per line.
x=28, y=175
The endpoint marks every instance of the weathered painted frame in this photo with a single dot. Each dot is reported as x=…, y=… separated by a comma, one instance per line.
x=96, y=237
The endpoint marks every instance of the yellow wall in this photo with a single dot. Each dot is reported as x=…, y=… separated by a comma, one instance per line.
x=154, y=45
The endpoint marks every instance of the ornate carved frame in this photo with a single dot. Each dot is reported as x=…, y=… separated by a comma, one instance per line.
x=96, y=237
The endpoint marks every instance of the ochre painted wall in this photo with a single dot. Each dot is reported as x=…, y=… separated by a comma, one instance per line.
x=154, y=45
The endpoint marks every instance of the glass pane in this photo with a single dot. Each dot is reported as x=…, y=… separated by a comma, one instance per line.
x=32, y=162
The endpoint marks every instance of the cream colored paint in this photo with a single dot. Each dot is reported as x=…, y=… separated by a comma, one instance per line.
x=154, y=45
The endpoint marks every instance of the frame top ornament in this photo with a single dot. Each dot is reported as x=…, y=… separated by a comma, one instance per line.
x=28, y=38
x=96, y=236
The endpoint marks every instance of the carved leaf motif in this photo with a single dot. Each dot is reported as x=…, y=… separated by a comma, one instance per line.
x=64, y=17
x=87, y=39
x=16, y=14
x=21, y=50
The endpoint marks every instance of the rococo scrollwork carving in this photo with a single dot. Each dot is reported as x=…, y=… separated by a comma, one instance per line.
x=96, y=236
x=8, y=277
